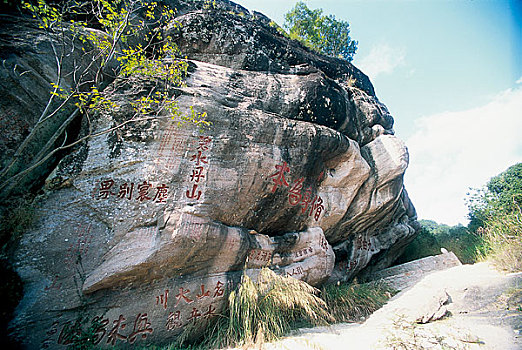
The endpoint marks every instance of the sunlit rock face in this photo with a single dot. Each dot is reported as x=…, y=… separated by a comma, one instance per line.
x=146, y=229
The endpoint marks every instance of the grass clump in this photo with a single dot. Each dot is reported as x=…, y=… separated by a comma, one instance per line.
x=502, y=237
x=257, y=312
x=355, y=302
x=269, y=308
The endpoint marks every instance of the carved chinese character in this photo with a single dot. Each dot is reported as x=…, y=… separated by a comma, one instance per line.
x=219, y=290
x=294, y=195
x=99, y=324
x=210, y=312
x=54, y=285
x=364, y=244
x=113, y=334
x=126, y=191
x=105, y=189
x=197, y=174
x=204, y=141
x=173, y=320
x=195, y=314
x=162, y=299
x=279, y=177
x=317, y=207
x=69, y=332
x=194, y=194
x=306, y=199
x=142, y=327
x=161, y=194
x=182, y=295
x=203, y=293
x=143, y=191
x=199, y=158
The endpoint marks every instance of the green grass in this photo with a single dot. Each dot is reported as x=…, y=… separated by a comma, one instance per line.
x=355, y=302
x=502, y=241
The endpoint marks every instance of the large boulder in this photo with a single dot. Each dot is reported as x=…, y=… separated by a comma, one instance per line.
x=142, y=230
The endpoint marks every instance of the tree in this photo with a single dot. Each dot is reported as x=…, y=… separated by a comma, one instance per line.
x=127, y=51
x=496, y=215
x=502, y=195
x=323, y=33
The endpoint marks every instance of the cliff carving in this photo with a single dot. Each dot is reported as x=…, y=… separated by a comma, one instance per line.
x=145, y=229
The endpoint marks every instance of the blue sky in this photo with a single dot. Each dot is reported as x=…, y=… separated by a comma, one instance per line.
x=450, y=72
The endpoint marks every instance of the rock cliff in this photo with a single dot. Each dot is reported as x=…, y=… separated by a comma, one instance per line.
x=145, y=229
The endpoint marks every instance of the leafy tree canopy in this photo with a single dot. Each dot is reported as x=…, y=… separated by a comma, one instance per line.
x=502, y=195
x=323, y=33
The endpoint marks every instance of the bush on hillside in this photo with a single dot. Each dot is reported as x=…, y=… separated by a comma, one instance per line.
x=433, y=237
x=495, y=213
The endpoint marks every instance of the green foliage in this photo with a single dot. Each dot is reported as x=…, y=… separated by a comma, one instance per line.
x=209, y=4
x=433, y=236
x=323, y=33
x=154, y=58
x=494, y=231
x=495, y=213
x=501, y=195
x=354, y=302
x=48, y=15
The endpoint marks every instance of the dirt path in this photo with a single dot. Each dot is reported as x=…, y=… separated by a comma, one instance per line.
x=464, y=307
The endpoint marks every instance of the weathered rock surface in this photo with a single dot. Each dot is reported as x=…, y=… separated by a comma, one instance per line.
x=145, y=229
x=402, y=276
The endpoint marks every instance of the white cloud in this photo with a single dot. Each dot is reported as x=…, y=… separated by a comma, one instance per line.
x=382, y=59
x=519, y=81
x=452, y=151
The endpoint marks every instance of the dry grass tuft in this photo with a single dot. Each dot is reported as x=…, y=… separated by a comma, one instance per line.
x=258, y=312
x=503, y=241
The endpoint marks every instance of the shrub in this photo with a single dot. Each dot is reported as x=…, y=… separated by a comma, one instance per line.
x=433, y=236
